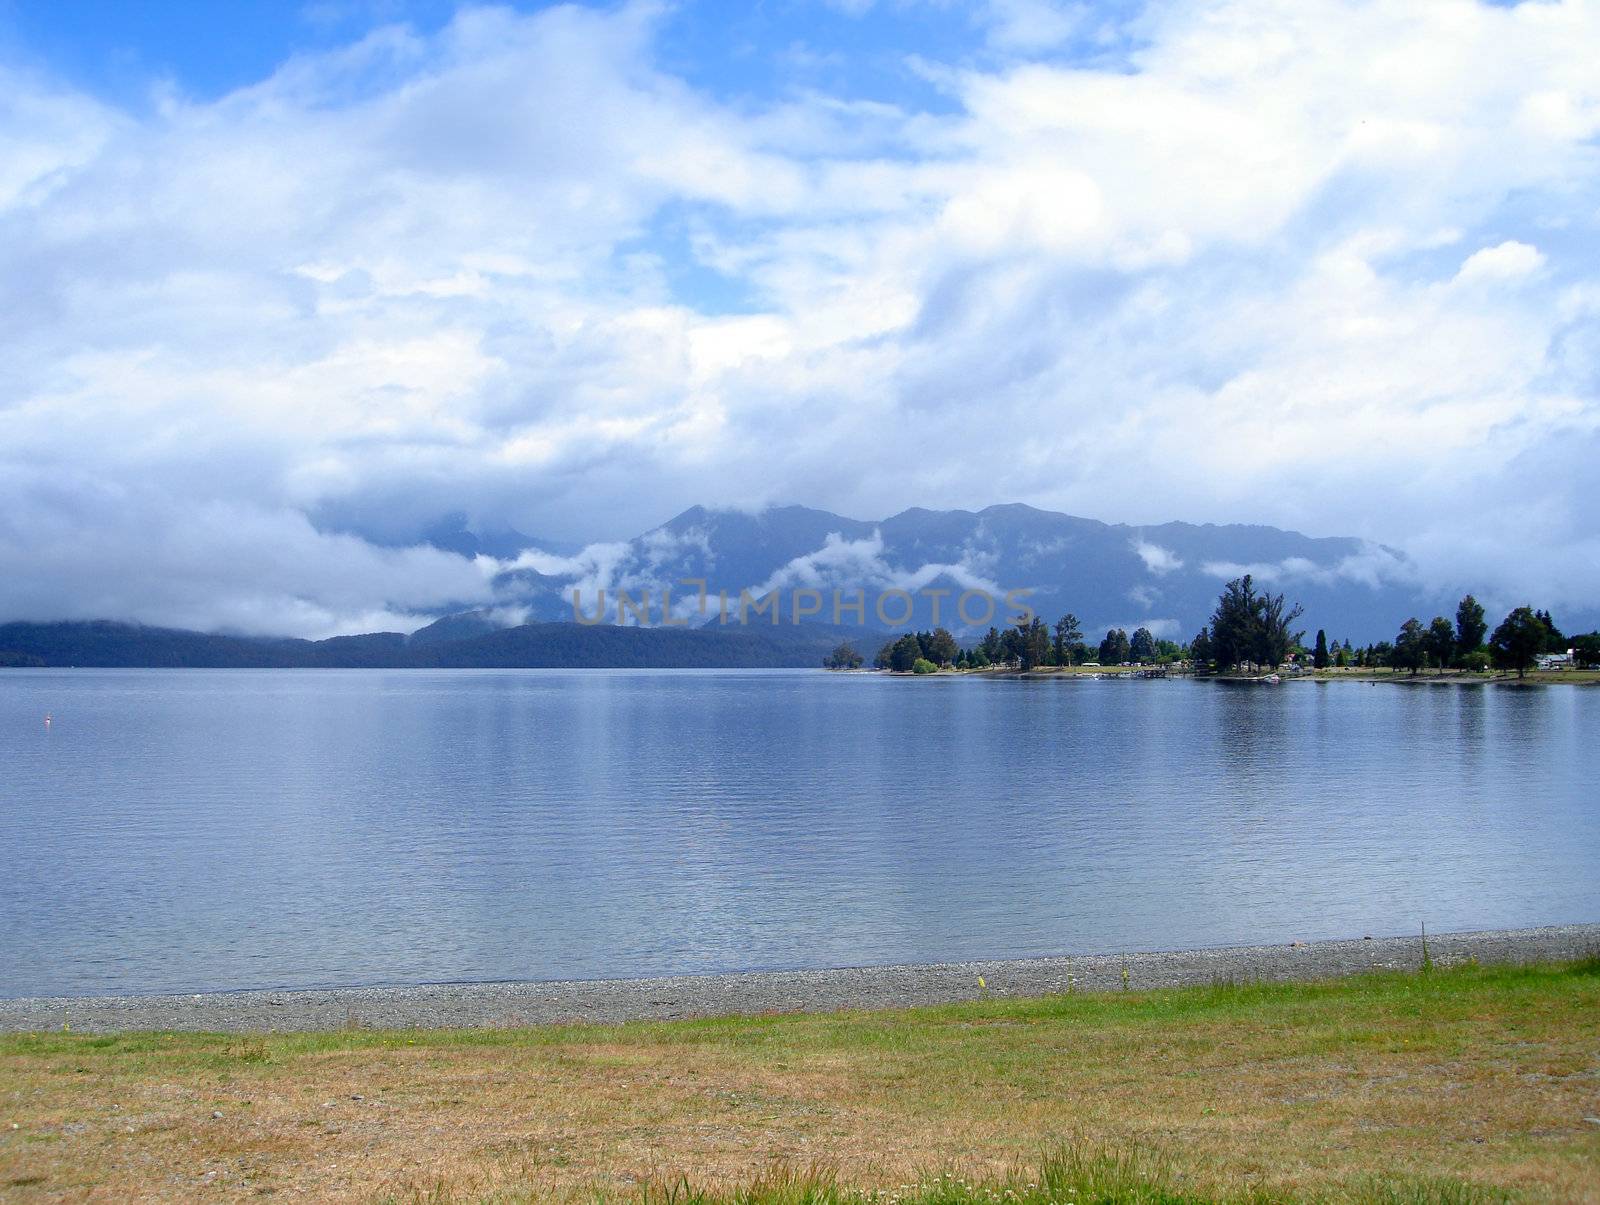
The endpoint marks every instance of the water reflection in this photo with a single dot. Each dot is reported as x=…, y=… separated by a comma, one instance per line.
x=227, y=829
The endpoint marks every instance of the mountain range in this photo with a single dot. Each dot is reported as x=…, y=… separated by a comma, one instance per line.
x=911, y=569
x=1163, y=577
x=525, y=646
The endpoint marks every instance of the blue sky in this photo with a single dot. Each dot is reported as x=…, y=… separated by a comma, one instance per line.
x=320, y=275
x=733, y=50
x=118, y=50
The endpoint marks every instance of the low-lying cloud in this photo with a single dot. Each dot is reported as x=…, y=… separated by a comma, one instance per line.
x=1157, y=560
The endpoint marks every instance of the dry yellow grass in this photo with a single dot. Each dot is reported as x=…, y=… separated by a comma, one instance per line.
x=1480, y=1076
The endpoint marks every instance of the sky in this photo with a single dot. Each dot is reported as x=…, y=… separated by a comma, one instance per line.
x=283, y=285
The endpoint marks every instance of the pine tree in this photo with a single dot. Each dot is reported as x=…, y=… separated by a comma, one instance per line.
x=1035, y=644
x=1069, y=636
x=1247, y=626
x=990, y=646
x=1470, y=625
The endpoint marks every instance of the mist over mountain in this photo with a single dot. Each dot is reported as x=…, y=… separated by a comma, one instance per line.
x=1163, y=577
x=833, y=575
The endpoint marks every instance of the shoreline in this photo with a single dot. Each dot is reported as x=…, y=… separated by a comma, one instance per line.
x=679, y=997
x=1044, y=673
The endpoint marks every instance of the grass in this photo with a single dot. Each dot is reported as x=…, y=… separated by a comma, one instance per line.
x=1071, y=1176
x=1459, y=1084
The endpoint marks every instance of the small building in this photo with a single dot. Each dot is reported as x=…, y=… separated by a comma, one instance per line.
x=1554, y=660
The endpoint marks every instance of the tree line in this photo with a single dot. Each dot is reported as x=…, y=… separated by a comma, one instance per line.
x=1249, y=629
x=1515, y=644
x=1027, y=645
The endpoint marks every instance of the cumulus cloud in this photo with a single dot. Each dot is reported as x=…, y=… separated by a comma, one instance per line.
x=1157, y=560
x=847, y=564
x=1506, y=261
x=1373, y=566
x=1162, y=629
x=1322, y=265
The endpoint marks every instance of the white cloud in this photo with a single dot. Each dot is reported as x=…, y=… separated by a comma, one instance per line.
x=850, y=564
x=1157, y=560
x=1225, y=278
x=1029, y=25
x=1373, y=566
x=75, y=548
x=1162, y=629
x=1507, y=261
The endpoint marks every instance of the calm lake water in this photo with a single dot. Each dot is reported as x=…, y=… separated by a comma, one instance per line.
x=199, y=830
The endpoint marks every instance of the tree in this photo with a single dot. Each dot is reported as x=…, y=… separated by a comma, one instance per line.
x=1273, y=638
x=1521, y=637
x=1440, y=641
x=1587, y=649
x=942, y=647
x=1142, y=648
x=1032, y=642
x=1319, y=656
x=903, y=654
x=990, y=646
x=1233, y=623
x=1069, y=638
x=1470, y=625
x=1247, y=626
x=1114, y=648
x=1200, y=648
x=923, y=666
x=1410, y=647
x=843, y=657
x=1554, y=641
x=1011, y=646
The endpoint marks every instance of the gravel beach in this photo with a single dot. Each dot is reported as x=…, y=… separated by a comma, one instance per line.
x=615, y=1000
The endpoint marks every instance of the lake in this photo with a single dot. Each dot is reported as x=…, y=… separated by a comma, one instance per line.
x=201, y=830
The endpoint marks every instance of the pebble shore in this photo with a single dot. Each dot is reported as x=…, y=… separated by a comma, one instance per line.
x=615, y=1000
